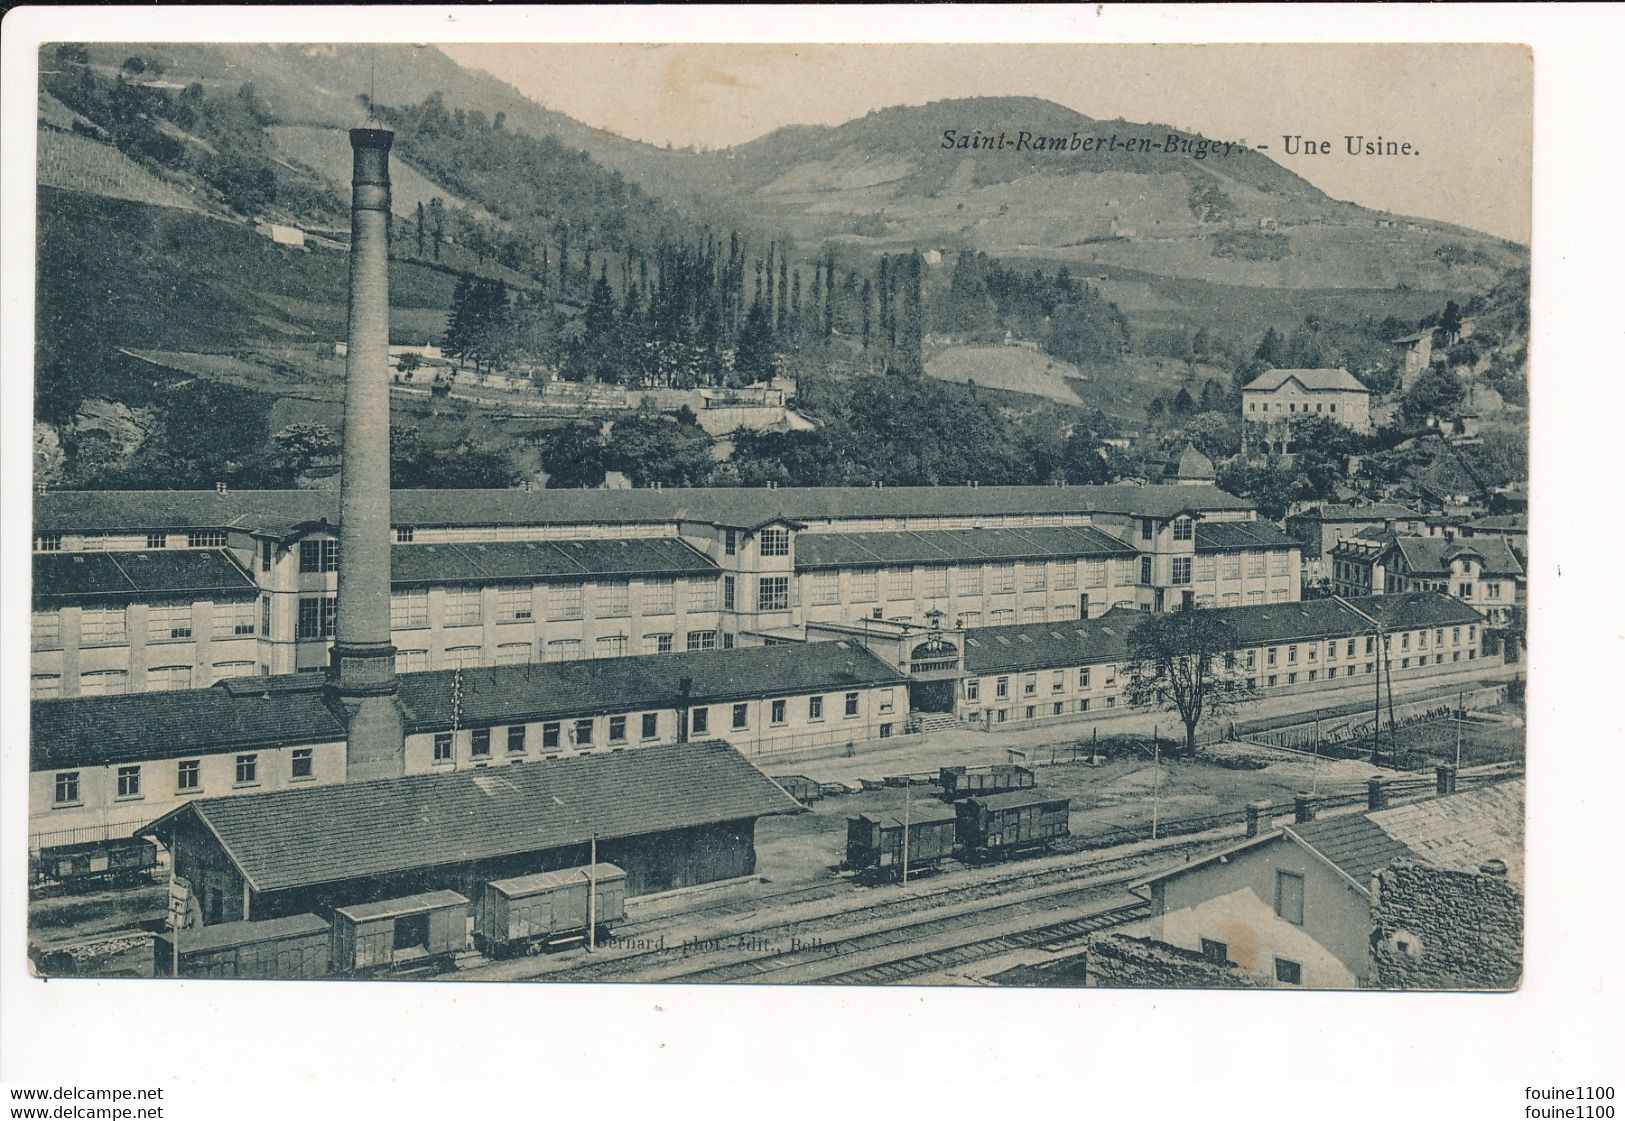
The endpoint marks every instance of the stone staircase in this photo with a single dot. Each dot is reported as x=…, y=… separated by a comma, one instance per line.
x=934, y=721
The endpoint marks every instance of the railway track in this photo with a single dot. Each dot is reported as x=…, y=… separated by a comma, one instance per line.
x=1053, y=937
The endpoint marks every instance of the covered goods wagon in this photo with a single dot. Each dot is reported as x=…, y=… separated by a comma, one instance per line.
x=291, y=948
x=548, y=908
x=393, y=934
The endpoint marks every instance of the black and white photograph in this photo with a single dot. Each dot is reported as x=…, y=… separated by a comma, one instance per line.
x=1023, y=517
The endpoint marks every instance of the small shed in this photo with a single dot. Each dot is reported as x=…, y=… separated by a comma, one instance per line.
x=392, y=933
x=291, y=948
x=548, y=906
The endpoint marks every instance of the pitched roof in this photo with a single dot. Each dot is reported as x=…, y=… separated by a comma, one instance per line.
x=248, y=932
x=301, y=838
x=485, y=562
x=1192, y=464
x=1458, y=832
x=1500, y=523
x=147, y=574
x=1358, y=512
x=282, y=512
x=1322, y=379
x=1219, y=536
x=946, y=546
x=1434, y=554
x=1409, y=611
x=1025, y=646
x=245, y=712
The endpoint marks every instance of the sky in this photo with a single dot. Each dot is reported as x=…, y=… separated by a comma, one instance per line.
x=1465, y=109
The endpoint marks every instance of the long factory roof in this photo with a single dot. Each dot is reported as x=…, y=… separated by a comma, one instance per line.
x=253, y=712
x=120, y=577
x=283, y=513
x=302, y=838
x=949, y=546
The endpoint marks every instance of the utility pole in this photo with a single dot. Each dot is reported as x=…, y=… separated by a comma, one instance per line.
x=592, y=895
x=1461, y=713
x=908, y=798
x=1156, y=775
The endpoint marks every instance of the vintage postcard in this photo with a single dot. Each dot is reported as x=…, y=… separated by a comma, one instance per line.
x=1044, y=516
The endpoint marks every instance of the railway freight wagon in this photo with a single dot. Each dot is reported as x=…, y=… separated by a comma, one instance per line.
x=1000, y=778
x=291, y=948
x=525, y=913
x=874, y=843
x=1000, y=825
x=394, y=934
x=120, y=859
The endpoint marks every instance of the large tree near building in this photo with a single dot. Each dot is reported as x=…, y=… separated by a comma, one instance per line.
x=1185, y=662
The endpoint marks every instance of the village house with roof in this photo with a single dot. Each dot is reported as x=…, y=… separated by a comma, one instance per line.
x=1277, y=397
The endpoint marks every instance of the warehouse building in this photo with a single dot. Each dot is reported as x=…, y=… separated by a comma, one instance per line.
x=674, y=818
x=102, y=765
x=506, y=577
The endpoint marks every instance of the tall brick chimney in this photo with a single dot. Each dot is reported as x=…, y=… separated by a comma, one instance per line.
x=362, y=671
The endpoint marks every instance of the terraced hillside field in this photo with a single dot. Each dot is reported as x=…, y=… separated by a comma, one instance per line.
x=1016, y=369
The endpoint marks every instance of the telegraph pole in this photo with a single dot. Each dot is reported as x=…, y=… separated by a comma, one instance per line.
x=592, y=894
x=1156, y=776
x=908, y=796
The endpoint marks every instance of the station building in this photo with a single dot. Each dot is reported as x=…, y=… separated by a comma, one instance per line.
x=100, y=766
x=146, y=591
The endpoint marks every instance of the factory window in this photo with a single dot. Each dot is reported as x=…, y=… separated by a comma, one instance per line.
x=617, y=729
x=1184, y=529
x=1289, y=896
x=815, y=708
x=612, y=646
x=514, y=654
x=233, y=620
x=1255, y=564
x=129, y=782
x=1278, y=562
x=1029, y=685
x=265, y=554
x=550, y=736
x=47, y=630
x=207, y=539
x=304, y=763
x=1145, y=570
x=157, y=540
x=651, y=725
x=779, y=713
x=1094, y=573
x=775, y=543
x=462, y=657
x=582, y=733
x=513, y=605
x=1034, y=577
x=1288, y=972
x=701, y=640
x=67, y=788
x=411, y=661
x=970, y=619
x=900, y=583
x=188, y=774
x=1182, y=570
x=1004, y=578
x=160, y=678
x=404, y=534
x=462, y=607
x=1464, y=591
x=1003, y=617
x=851, y=704
x=773, y=593
x=614, y=598
x=318, y=556
x=1066, y=574
x=969, y=580
x=730, y=543
x=728, y=593
x=1204, y=568
x=248, y=769
x=741, y=714
x=48, y=543
x=44, y=686
x=1278, y=595
x=826, y=587
x=702, y=595
x=104, y=683
x=562, y=650
x=479, y=743
x=442, y=747
x=564, y=601
x=1032, y=614
x=265, y=616
x=657, y=644
x=659, y=596
x=1148, y=529
x=316, y=616
x=169, y=622
x=1232, y=566
x=865, y=586
x=516, y=739
x=934, y=581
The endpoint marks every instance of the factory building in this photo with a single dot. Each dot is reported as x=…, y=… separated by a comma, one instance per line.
x=503, y=577
x=102, y=765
